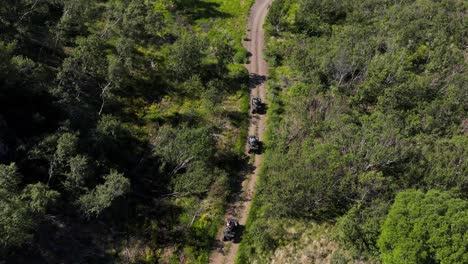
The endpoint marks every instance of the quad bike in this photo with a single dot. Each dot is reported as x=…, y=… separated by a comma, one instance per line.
x=230, y=230
x=257, y=105
x=254, y=144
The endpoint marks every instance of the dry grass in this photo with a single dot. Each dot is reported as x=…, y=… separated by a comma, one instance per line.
x=307, y=242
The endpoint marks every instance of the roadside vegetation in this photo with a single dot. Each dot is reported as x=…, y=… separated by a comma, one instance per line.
x=122, y=128
x=367, y=134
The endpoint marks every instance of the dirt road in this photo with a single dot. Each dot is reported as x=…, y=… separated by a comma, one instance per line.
x=225, y=252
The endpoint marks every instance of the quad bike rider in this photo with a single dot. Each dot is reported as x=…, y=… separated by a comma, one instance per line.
x=257, y=105
x=254, y=144
x=230, y=230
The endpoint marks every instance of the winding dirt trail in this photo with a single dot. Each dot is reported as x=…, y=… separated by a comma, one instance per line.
x=225, y=252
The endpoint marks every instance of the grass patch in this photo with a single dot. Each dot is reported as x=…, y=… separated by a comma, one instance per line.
x=233, y=24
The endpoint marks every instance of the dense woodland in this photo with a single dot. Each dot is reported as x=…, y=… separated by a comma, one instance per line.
x=368, y=131
x=123, y=122
x=122, y=125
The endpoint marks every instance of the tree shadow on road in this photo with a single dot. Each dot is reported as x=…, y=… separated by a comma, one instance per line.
x=256, y=80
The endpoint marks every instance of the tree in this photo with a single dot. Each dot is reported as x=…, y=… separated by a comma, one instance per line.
x=448, y=167
x=25, y=21
x=56, y=149
x=110, y=137
x=9, y=178
x=16, y=222
x=103, y=195
x=187, y=155
x=186, y=56
x=425, y=228
x=77, y=175
x=134, y=19
x=6, y=50
x=75, y=15
x=181, y=145
x=143, y=21
x=20, y=210
x=83, y=88
x=317, y=185
x=359, y=228
x=39, y=197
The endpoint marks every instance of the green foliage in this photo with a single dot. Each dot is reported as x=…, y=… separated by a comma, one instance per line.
x=6, y=50
x=366, y=100
x=66, y=147
x=87, y=88
x=101, y=197
x=20, y=210
x=142, y=19
x=15, y=222
x=9, y=178
x=186, y=154
x=338, y=258
x=425, y=228
x=80, y=78
x=79, y=172
x=360, y=227
x=186, y=56
x=39, y=197
x=448, y=167
x=176, y=145
x=307, y=184
x=241, y=56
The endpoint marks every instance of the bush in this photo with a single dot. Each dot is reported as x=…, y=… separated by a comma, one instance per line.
x=241, y=56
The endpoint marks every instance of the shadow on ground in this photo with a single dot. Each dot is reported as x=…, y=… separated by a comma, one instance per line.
x=239, y=234
x=199, y=9
x=256, y=80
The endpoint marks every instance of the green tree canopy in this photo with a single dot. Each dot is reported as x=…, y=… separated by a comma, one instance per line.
x=186, y=154
x=20, y=210
x=95, y=201
x=427, y=227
